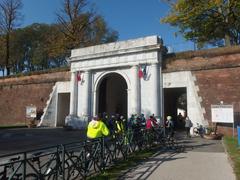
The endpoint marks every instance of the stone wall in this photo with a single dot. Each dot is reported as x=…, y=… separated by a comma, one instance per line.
x=18, y=92
x=217, y=73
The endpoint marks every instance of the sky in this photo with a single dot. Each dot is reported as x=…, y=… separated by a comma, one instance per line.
x=131, y=18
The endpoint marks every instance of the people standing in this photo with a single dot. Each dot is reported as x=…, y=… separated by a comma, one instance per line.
x=96, y=128
x=124, y=122
x=130, y=122
x=143, y=120
x=151, y=123
x=170, y=126
x=119, y=128
x=180, y=121
x=188, y=125
x=111, y=124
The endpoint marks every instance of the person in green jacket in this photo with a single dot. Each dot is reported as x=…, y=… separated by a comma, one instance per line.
x=96, y=128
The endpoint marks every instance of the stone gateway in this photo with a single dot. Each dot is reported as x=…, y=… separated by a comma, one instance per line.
x=121, y=77
x=127, y=77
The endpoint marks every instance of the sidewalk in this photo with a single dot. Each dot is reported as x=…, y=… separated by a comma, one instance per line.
x=201, y=160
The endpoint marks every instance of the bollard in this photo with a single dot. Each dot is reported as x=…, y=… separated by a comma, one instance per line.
x=238, y=132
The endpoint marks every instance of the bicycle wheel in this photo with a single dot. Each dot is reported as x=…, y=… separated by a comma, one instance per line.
x=73, y=168
x=170, y=142
x=195, y=131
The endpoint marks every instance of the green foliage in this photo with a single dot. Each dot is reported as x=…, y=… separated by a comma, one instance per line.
x=43, y=46
x=29, y=48
x=12, y=126
x=206, y=21
x=234, y=153
x=9, y=18
x=2, y=52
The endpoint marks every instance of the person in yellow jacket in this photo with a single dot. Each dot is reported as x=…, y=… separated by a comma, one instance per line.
x=119, y=125
x=96, y=129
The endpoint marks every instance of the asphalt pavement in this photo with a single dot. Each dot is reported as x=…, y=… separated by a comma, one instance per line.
x=200, y=159
x=25, y=139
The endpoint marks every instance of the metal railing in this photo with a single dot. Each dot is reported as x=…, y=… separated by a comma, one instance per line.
x=80, y=159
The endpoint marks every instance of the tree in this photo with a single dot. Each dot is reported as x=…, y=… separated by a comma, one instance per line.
x=206, y=21
x=35, y=47
x=2, y=53
x=9, y=16
x=81, y=26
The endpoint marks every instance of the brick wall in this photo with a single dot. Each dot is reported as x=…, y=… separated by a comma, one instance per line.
x=217, y=76
x=18, y=92
x=219, y=85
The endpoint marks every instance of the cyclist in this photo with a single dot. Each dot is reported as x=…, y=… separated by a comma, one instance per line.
x=151, y=123
x=96, y=128
x=170, y=126
x=119, y=127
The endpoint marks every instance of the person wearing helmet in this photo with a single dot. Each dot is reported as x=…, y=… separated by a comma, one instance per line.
x=96, y=128
x=119, y=125
x=170, y=126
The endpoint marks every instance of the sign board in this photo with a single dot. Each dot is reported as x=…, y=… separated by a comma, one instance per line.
x=222, y=113
x=31, y=111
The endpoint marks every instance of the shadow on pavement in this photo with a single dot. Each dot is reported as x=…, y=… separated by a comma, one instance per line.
x=197, y=144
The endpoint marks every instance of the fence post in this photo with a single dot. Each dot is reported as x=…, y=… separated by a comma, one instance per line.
x=85, y=160
x=63, y=161
x=238, y=132
x=24, y=164
x=102, y=154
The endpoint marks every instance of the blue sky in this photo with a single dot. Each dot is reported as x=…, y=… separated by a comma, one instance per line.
x=131, y=18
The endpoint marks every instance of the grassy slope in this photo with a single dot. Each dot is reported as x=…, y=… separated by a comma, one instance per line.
x=234, y=153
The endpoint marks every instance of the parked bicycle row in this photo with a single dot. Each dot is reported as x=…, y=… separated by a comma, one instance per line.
x=104, y=125
x=81, y=159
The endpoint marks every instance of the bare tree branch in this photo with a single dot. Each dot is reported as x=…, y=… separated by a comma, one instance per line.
x=9, y=16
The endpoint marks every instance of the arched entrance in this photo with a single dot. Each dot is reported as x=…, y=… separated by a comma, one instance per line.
x=175, y=105
x=112, y=95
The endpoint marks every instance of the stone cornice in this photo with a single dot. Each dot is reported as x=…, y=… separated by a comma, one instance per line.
x=132, y=59
x=115, y=53
x=145, y=50
x=150, y=43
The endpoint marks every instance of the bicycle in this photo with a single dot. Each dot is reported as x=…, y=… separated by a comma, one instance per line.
x=198, y=131
x=49, y=169
x=9, y=170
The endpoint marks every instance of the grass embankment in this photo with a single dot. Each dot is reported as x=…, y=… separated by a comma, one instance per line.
x=7, y=126
x=234, y=153
x=122, y=166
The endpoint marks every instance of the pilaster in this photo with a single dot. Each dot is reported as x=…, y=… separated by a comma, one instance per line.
x=136, y=108
x=155, y=89
x=73, y=94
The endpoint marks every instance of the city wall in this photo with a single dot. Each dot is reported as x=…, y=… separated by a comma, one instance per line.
x=217, y=73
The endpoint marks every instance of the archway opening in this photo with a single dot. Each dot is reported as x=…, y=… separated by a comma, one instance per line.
x=175, y=105
x=112, y=95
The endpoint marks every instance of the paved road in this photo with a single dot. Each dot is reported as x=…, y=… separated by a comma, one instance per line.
x=202, y=160
x=18, y=140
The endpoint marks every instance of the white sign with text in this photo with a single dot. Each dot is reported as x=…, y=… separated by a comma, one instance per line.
x=222, y=113
x=31, y=111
